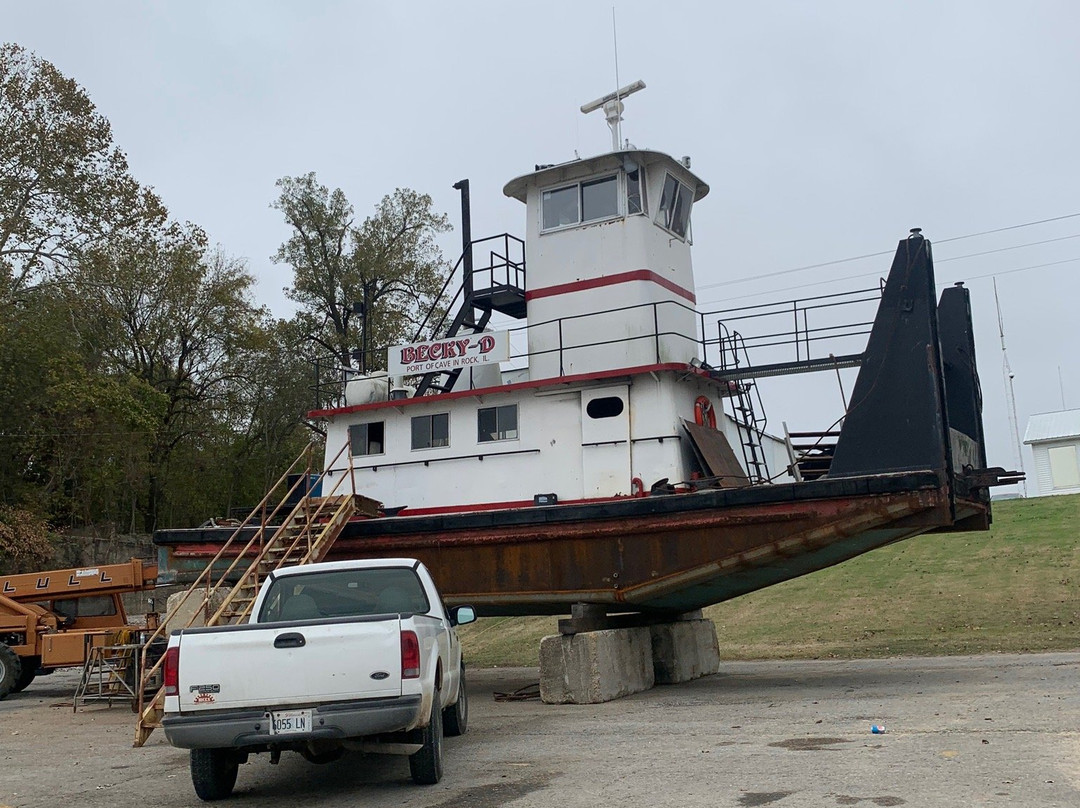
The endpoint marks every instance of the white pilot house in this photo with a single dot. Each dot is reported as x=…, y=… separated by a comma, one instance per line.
x=612, y=401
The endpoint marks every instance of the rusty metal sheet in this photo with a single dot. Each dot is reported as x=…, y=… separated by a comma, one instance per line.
x=715, y=452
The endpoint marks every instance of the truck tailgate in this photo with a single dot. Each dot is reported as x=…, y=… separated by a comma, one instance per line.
x=305, y=662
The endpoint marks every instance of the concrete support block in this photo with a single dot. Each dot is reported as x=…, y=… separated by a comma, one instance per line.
x=595, y=666
x=684, y=650
x=192, y=608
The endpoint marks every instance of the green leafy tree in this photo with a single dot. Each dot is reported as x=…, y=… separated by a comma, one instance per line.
x=390, y=262
x=92, y=443
x=33, y=332
x=166, y=309
x=64, y=186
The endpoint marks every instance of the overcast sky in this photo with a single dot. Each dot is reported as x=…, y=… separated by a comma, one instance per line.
x=826, y=130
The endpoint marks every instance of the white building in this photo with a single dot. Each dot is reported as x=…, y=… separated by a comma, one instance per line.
x=1054, y=438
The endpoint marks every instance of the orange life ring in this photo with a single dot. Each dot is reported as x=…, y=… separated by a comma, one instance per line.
x=704, y=414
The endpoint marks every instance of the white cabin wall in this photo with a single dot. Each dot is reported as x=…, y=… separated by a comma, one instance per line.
x=549, y=429
x=547, y=456
x=656, y=403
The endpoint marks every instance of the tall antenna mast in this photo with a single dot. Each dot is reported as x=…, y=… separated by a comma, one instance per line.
x=1008, y=374
x=617, y=134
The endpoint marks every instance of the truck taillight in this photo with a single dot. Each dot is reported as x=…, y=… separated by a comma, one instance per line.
x=171, y=670
x=410, y=655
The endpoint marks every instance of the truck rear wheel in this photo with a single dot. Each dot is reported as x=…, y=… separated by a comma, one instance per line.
x=213, y=773
x=27, y=674
x=426, y=765
x=10, y=670
x=456, y=716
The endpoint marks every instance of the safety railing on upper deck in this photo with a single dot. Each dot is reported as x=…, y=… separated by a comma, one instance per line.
x=823, y=332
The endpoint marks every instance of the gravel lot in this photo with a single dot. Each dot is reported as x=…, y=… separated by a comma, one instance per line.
x=960, y=731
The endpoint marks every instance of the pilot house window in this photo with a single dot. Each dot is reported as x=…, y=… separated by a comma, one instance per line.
x=581, y=202
x=674, y=214
x=635, y=197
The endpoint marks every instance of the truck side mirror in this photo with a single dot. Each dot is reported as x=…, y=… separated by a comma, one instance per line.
x=460, y=615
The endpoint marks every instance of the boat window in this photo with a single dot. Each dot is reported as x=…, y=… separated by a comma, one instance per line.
x=560, y=207
x=582, y=202
x=606, y=407
x=635, y=199
x=675, y=201
x=600, y=199
x=366, y=439
x=431, y=431
x=497, y=423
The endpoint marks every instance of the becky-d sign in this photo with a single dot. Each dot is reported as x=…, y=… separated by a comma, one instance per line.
x=446, y=354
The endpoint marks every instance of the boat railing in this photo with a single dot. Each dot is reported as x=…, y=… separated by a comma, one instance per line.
x=793, y=336
x=504, y=269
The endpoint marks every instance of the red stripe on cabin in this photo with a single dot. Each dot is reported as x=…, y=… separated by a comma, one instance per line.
x=611, y=280
x=554, y=381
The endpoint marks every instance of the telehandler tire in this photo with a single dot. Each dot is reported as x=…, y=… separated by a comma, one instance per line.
x=26, y=676
x=10, y=670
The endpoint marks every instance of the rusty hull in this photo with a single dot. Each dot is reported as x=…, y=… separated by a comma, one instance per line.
x=664, y=562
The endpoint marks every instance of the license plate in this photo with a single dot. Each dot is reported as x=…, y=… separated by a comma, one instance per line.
x=288, y=722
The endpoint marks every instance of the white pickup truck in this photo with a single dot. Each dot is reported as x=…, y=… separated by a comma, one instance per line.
x=346, y=655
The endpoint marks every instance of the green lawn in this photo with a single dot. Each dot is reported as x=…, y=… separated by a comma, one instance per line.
x=1015, y=588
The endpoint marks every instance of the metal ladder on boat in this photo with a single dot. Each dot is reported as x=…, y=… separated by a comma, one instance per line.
x=750, y=427
x=504, y=294
x=443, y=381
x=299, y=529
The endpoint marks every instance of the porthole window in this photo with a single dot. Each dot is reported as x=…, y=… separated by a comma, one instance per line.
x=606, y=407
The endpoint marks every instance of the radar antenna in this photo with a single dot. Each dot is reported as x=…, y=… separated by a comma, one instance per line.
x=613, y=109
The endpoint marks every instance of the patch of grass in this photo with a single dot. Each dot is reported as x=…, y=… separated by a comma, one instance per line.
x=1013, y=589
x=506, y=641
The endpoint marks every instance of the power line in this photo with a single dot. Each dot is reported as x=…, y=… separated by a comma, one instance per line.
x=1019, y=269
x=1010, y=227
x=889, y=252
x=1006, y=249
x=864, y=275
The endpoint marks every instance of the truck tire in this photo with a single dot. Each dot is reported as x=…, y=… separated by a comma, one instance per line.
x=27, y=674
x=456, y=716
x=213, y=773
x=10, y=670
x=426, y=765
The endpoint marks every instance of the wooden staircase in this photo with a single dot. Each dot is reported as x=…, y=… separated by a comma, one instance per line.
x=299, y=529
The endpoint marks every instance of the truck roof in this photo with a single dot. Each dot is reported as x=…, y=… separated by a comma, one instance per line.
x=365, y=563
